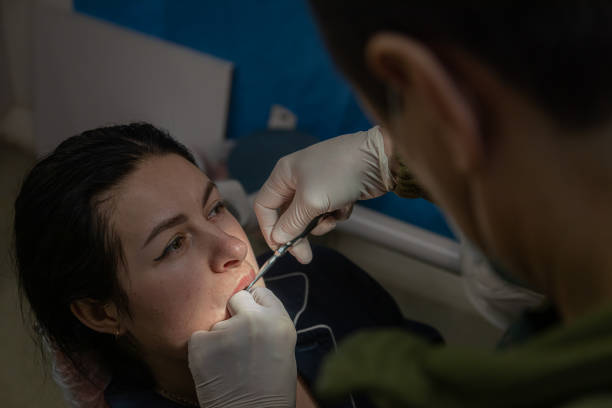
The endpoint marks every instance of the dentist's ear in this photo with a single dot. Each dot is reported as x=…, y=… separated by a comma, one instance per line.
x=413, y=72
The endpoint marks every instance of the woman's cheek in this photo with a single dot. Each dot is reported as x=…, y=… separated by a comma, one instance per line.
x=173, y=297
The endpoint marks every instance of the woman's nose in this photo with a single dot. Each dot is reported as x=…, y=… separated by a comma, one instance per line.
x=229, y=253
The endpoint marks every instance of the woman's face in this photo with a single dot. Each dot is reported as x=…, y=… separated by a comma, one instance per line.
x=185, y=254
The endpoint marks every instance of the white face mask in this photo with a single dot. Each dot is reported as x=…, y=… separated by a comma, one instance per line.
x=492, y=292
x=501, y=302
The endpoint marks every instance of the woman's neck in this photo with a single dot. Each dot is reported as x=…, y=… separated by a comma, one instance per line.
x=173, y=378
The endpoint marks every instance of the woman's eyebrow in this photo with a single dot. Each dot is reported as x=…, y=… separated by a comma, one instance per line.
x=164, y=225
x=209, y=188
x=180, y=218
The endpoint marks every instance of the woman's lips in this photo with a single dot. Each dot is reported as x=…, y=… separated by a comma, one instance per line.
x=244, y=282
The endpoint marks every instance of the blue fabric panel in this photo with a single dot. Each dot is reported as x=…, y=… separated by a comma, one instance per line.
x=146, y=16
x=276, y=50
x=279, y=59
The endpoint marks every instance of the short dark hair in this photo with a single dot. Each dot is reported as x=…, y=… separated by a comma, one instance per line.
x=65, y=248
x=558, y=53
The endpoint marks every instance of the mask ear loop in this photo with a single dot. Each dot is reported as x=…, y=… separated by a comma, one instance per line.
x=405, y=183
x=395, y=104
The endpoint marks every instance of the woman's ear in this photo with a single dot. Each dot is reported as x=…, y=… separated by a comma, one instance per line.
x=415, y=74
x=98, y=316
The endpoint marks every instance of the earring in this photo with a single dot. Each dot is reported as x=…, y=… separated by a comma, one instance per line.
x=116, y=333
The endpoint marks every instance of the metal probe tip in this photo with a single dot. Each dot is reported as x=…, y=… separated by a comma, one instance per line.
x=283, y=249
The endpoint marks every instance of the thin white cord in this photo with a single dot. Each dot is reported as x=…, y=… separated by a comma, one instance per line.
x=303, y=308
x=331, y=333
x=306, y=290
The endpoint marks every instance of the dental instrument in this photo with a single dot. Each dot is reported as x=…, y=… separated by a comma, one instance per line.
x=282, y=250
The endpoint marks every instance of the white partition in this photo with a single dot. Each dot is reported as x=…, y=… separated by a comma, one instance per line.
x=89, y=73
x=404, y=238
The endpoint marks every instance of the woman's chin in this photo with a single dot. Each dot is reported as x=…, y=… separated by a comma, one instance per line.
x=219, y=316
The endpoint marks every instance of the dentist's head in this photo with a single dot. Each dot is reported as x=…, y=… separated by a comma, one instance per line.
x=502, y=112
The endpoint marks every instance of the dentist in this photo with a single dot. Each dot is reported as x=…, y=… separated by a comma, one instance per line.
x=502, y=113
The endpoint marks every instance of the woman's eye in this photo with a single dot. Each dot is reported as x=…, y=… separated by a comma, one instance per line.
x=219, y=206
x=173, y=246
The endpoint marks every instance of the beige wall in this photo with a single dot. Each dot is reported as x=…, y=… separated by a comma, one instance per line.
x=6, y=90
x=23, y=382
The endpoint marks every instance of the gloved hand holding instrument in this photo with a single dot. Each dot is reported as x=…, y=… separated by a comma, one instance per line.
x=327, y=177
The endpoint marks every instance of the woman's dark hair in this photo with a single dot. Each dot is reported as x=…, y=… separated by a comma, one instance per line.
x=557, y=53
x=65, y=247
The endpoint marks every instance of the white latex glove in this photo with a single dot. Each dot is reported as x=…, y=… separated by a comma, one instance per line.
x=326, y=177
x=249, y=359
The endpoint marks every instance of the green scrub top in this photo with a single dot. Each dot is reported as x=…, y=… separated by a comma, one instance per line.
x=562, y=366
